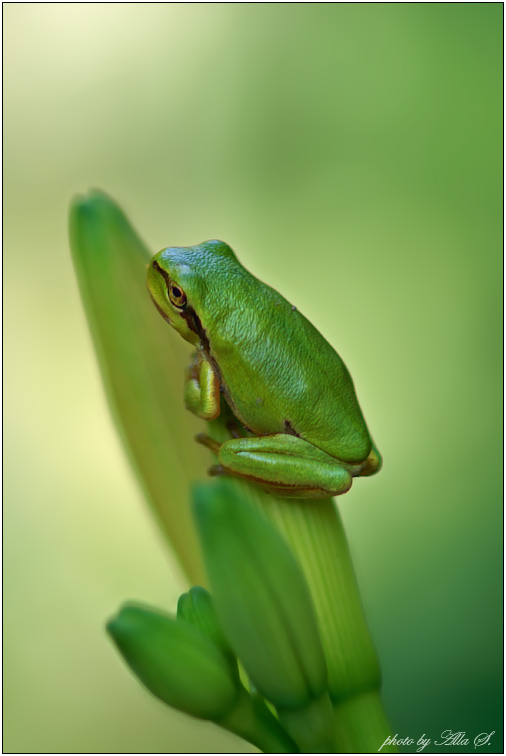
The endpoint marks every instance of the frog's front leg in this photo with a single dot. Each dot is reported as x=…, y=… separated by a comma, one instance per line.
x=282, y=464
x=202, y=388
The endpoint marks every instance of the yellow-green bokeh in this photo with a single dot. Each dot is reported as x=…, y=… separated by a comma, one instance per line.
x=351, y=154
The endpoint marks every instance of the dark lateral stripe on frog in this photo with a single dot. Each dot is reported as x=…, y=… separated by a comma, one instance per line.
x=195, y=325
x=162, y=272
x=189, y=314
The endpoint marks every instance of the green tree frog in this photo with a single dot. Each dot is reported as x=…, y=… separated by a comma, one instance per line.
x=305, y=434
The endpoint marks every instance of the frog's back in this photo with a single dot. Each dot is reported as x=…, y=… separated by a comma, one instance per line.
x=281, y=376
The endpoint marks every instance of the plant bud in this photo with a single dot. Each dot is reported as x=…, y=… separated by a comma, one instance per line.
x=137, y=361
x=175, y=661
x=197, y=608
x=261, y=597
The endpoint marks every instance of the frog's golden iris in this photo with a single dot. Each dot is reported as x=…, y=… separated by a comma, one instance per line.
x=177, y=295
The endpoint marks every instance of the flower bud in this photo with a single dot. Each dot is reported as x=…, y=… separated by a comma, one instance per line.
x=137, y=360
x=261, y=597
x=197, y=608
x=175, y=661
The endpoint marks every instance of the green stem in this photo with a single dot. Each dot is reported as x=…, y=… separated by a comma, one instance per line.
x=314, y=531
x=251, y=719
x=361, y=725
x=316, y=535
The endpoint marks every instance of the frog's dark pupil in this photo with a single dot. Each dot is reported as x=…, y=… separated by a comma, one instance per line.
x=176, y=292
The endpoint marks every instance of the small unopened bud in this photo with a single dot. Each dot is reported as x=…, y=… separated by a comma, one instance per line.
x=197, y=608
x=175, y=661
x=261, y=597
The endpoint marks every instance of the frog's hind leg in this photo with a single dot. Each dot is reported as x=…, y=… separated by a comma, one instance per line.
x=283, y=464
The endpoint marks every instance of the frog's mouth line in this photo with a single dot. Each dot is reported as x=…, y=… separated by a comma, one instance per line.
x=162, y=313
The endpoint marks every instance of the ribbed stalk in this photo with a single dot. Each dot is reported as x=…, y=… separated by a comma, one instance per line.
x=316, y=535
x=361, y=725
x=315, y=532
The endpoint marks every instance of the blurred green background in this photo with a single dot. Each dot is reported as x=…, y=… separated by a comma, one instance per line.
x=351, y=154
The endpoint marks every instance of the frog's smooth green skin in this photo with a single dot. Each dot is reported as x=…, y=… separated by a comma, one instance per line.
x=282, y=380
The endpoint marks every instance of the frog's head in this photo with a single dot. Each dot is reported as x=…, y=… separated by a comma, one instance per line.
x=181, y=279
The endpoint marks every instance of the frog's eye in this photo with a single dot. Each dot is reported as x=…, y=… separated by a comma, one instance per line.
x=176, y=295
